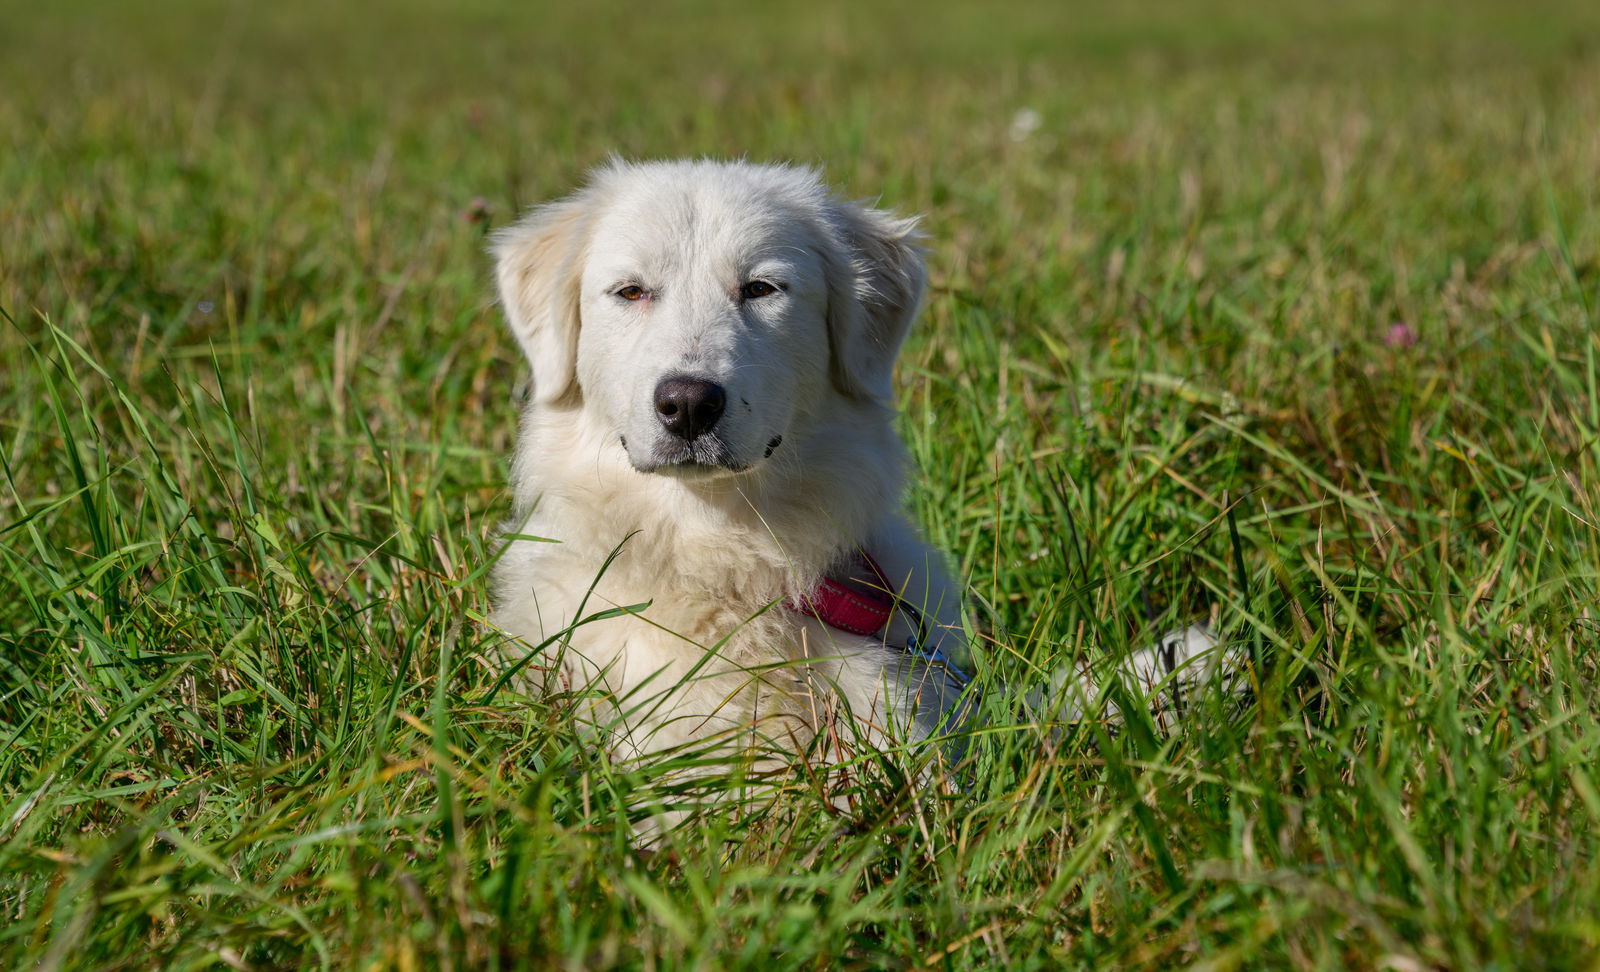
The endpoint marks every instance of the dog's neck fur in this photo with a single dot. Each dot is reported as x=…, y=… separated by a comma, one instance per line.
x=820, y=497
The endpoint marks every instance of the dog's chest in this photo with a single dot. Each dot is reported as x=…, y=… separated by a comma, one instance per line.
x=706, y=590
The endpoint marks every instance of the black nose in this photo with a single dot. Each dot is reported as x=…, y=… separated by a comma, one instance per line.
x=688, y=407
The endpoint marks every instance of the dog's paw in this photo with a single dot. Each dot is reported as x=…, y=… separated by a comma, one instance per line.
x=1182, y=655
x=1167, y=675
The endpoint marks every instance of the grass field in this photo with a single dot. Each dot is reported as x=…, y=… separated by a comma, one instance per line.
x=1275, y=314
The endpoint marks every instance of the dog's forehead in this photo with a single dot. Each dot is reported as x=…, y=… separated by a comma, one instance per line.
x=667, y=226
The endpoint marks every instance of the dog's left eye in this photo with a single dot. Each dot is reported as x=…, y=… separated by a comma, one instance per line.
x=758, y=288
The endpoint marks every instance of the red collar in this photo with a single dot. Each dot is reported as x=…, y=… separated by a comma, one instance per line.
x=860, y=602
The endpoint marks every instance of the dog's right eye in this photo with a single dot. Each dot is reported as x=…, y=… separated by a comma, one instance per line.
x=632, y=292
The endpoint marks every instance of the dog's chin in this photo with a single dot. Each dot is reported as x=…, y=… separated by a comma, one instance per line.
x=697, y=471
x=707, y=457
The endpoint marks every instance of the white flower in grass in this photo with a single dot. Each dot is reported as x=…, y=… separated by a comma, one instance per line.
x=1024, y=123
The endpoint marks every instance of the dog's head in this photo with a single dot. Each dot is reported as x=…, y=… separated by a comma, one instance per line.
x=698, y=308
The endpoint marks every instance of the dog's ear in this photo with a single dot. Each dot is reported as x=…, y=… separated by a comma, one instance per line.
x=539, y=268
x=875, y=285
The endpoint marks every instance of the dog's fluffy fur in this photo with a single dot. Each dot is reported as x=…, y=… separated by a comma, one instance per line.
x=795, y=302
x=718, y=536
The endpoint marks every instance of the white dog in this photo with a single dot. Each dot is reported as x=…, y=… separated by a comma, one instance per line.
x=708, y=534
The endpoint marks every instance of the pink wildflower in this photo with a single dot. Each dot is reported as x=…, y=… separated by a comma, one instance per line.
x=1400, y=335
